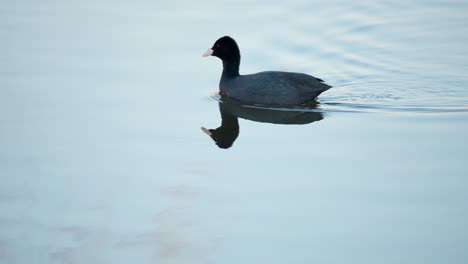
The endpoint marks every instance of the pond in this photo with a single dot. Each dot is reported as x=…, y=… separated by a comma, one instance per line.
x=103, y=159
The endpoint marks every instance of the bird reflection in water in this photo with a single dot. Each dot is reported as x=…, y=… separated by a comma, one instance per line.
x=225, y=135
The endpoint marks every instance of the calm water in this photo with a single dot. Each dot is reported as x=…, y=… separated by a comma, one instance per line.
x=102, y=159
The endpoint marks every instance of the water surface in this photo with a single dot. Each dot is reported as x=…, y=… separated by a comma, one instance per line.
x=102, y=159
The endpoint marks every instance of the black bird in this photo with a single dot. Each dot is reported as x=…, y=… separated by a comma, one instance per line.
x=268, y=87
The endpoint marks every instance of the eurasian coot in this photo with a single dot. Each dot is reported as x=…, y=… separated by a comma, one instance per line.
x=269, y=87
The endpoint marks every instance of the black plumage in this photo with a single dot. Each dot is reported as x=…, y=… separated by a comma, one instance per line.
x=268, y=87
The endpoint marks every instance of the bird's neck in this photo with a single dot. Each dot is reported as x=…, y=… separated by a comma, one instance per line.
x=231, y=67
x=229, y=122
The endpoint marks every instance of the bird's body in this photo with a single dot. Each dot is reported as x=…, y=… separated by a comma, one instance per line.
x=273, y=87
x=268, y=87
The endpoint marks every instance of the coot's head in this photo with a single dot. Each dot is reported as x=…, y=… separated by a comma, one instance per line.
x=222, y=136
x=224, y=48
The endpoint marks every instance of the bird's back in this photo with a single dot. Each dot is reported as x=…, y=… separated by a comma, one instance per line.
x=273, y=87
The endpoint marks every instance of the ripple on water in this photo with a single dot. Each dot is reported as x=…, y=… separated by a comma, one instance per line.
x=383, y=56
x=357, y=104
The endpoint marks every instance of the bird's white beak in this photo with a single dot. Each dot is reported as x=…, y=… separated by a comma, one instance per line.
x=208, y=132
x=207, y=53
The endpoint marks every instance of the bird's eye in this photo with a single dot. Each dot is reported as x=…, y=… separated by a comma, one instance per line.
x=217, y=45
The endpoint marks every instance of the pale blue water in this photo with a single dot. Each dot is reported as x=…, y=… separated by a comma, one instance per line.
x=102, y=159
